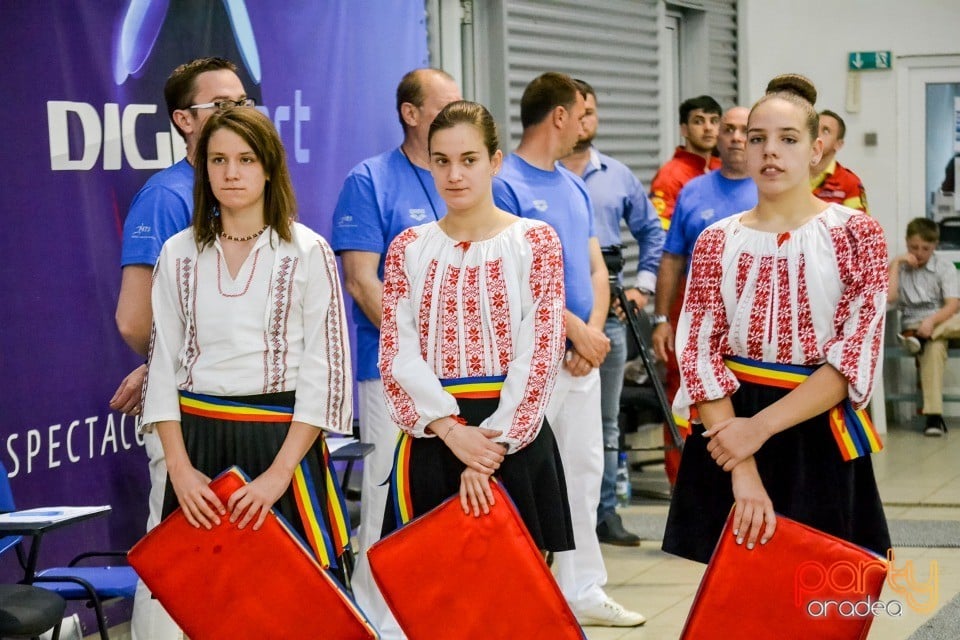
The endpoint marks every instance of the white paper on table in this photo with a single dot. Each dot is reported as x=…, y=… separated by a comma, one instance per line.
x=48, y=514
x=336, y=443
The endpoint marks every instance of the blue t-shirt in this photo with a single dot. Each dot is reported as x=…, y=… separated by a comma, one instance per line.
x=617, y=195
x=560, y=199
x=703, y=201
x=380, y=197
x=162, y=208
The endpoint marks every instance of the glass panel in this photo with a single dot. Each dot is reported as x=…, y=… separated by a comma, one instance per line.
x=942, y=147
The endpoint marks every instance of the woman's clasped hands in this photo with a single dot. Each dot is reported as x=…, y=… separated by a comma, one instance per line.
x=473, y=446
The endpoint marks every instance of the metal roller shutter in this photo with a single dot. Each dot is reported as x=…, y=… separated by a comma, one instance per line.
x=613, y=45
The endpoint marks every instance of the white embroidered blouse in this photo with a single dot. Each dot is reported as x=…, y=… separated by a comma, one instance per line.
x=814, y=295
x=454, y=310
x=278, y=326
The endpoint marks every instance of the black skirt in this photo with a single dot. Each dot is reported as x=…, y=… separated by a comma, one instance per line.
x=214, y=444
x=533, y=477
x=802, y=471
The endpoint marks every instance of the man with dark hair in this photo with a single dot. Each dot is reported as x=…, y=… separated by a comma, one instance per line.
x=699, y=125
x=829, y=180
x=381, y=197
x=616, y=195
x=162, y=208
x=531, y=184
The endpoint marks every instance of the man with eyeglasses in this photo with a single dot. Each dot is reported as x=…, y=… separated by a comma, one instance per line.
x=162, y=208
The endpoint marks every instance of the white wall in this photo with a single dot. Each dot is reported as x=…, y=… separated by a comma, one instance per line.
x=814, y=37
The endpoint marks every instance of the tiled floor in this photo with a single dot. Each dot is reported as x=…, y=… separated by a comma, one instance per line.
x=919, y=478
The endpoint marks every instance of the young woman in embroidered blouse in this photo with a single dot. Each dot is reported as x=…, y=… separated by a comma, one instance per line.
x=781, y=324
x=249, y=360
x=471, y=343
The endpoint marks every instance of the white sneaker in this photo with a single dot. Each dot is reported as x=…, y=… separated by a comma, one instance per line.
x=609, y=614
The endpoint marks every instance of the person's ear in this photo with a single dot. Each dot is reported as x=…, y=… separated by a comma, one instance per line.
x=817, y=152
x=183, y=121
x=839, y=144
x=410, y=114
x=496, y=161
x=559, y=116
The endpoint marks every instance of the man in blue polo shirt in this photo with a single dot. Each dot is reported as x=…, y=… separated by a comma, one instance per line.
x=703, y=201
x=162, y=208
x=381, y=197
x=617, y=195
x=531, y=184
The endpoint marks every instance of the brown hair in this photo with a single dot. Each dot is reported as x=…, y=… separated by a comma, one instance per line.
x=799, y=91
x=924, y=228
x=279, y=202
x=471, y=113
x=545, y=93
x=181, y=87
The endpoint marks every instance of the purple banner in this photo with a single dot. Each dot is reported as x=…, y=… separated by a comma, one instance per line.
x=86, y=125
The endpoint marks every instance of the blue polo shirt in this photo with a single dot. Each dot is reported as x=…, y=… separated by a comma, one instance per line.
x=560, y=199
x=703, y=201
x=617, y=195
x=380, y=197
x=162, y=208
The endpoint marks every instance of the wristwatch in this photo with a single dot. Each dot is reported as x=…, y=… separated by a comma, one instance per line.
x=659, y=318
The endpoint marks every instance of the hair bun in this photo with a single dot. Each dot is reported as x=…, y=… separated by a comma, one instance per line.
x=794, y=83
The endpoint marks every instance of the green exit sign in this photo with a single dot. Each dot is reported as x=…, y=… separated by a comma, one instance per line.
x=864, y=60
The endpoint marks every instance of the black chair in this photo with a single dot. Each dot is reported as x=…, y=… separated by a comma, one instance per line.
x=92, y=584
x=26, y=612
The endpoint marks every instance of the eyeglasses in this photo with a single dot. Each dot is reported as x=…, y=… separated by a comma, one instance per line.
x=223, y=105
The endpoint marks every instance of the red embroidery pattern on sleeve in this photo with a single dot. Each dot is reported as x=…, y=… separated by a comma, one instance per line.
x=186, y=275
x=546, y=287
x=395, y=287
x=499, y=313
x=861, y=257
x=449, y=324
x=335, y=346
x=426, y=305
x=703, y=301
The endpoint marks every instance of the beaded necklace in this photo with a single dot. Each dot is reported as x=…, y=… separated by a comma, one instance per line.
x=227, y=236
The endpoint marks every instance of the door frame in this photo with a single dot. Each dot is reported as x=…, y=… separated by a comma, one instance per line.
x=914, y=73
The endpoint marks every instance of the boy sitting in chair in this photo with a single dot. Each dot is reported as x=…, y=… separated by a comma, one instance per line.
x=925, y=287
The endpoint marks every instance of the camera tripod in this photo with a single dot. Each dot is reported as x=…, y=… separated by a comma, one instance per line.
x=633, y=323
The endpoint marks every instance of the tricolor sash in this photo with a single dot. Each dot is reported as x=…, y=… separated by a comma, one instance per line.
x=473, y=388
x=852, y=429
x=327, y=546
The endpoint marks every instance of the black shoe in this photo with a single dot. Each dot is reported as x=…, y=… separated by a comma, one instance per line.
x=610, y=531
x=936, y=427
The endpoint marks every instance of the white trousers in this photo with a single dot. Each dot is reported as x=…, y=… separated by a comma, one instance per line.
x=150, y=620
x=377, y=428
x=574, y=416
